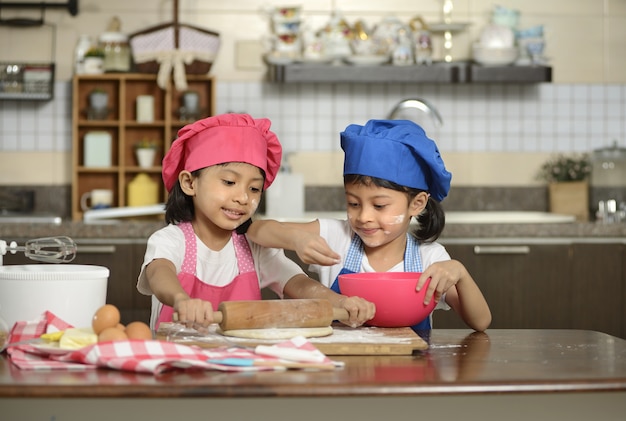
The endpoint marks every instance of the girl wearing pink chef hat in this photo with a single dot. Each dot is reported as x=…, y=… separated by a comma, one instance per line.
x=215, y=173
x=392, y=173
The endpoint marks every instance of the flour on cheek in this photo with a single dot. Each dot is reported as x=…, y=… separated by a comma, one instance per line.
x=395, y=220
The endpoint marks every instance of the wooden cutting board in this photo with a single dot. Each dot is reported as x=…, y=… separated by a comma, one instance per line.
x=344, y=340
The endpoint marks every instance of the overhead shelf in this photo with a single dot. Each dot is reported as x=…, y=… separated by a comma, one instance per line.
x=508, y=74
x=455, y=72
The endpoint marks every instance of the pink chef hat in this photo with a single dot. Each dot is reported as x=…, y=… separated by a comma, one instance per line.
x=221, y=139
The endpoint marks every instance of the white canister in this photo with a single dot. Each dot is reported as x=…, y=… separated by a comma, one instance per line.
x=97, y=150
x=285, y=198
x=145, y=109
x=72, y=292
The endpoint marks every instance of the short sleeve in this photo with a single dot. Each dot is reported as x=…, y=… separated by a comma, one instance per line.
x=166, y=243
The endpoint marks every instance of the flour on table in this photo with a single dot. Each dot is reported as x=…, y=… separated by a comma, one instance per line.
x=338, y=334
x=361, y=335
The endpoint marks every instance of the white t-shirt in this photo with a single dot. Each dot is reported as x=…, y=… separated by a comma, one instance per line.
x=338, y=235
x=217, y=268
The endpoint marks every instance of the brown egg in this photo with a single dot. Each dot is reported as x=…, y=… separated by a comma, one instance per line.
x=138, y=330
x=120, y=326
x=112, y=334
x=106, y=316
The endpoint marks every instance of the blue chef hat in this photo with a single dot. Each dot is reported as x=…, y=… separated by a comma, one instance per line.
x=397, y=151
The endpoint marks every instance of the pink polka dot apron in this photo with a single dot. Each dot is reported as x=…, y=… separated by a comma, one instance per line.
x=244, y=286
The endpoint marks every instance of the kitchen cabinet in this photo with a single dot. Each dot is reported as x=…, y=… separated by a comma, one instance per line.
x=123, y=258
x=564, y=285
x=623, y=292
x=597, y=288
x=525, y=284
x=117, y=123
x=455, y=72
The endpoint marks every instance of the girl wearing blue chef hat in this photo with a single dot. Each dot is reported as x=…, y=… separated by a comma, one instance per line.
x=215, y=173
x=392, y=173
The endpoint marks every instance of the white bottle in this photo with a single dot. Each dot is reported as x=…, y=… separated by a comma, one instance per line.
x=82, y=46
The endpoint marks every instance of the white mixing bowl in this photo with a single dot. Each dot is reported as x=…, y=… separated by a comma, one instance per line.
x=71, y=292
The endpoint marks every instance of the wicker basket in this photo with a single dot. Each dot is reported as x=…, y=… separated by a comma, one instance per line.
x=570, y=198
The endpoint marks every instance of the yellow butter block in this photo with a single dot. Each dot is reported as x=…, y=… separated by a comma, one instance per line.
x=77, y=338
x=52, y=336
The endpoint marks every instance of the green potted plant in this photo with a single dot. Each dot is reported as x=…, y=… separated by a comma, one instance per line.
x=568, y=187
x=145, y=151
x=98, y=99
x=94, y=61
x=564, y=168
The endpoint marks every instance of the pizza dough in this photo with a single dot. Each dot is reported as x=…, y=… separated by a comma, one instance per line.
x=279, y=333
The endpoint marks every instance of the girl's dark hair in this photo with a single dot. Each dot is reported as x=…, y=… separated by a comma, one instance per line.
x=430, y=222
x=179, y=206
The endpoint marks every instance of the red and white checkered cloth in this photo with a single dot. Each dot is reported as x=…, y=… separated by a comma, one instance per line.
x=48, y=323
x=143, y=356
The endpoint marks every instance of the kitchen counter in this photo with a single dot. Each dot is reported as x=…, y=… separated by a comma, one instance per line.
x=570, y=374
x=582, y=231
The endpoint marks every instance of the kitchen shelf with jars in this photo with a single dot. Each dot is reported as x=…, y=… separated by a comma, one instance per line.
x=394, y=51
x=117, y=119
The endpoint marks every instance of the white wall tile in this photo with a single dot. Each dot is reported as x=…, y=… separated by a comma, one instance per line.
x=544, y=118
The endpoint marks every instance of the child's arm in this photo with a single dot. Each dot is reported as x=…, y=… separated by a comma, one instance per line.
x=360, y=310
x=462, y=293
x=303, y=238
x=161, y=276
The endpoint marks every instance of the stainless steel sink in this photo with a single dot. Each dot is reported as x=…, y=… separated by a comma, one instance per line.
x=507, y=217
x=9, y=217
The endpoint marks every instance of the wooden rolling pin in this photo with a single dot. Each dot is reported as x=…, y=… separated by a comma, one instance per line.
x=265, y=314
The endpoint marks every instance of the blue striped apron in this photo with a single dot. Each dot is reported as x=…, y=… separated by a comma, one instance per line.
x=412, y=263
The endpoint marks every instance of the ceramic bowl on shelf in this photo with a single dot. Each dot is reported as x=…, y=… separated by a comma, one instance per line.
x=497, y=36
x=493, y=56
x=367, y=60
x=398, y=304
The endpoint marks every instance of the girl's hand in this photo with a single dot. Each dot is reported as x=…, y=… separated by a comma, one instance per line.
x=193, y=311
x=359, y=309
x=443, y=276
x=465, y=298
x=313, y=249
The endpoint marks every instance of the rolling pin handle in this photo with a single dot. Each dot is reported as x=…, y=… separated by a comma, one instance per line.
x=217, y=317
x=340, y=314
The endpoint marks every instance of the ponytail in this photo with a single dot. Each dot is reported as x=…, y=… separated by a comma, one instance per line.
x=431, y=222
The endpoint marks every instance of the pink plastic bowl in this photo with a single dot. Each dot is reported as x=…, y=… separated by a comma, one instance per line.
x=398, y=304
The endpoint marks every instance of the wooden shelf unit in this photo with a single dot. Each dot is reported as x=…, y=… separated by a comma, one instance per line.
x=121, y=124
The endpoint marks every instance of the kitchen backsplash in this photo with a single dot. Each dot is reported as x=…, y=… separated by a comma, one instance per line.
x=308, y=117
x=56, y=199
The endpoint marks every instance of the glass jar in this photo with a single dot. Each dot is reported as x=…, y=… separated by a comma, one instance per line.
x=83, y=45
x=608, y=166
x=116, y=52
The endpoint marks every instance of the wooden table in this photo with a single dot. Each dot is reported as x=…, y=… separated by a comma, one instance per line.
x=516, y=374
